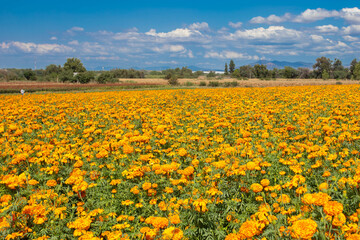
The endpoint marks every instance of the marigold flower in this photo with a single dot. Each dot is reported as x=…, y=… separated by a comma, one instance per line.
x=256, y=188
x=303, y=229
x=333, y=208
x=172, y=233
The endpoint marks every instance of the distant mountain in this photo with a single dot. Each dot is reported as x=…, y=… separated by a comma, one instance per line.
x=282, y=64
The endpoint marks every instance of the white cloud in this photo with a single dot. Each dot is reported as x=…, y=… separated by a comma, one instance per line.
x=74, y=42
x=190, y=54
x=316, y=38
x=229, y=55
x=39, y=48
x=235, y=25
x=351, y=15
x=272, y=51
x=327, y=28
x=130, y=35
x=270, y=34
x=312, y=15
x=53, y=38
x=103, y=58
x=75, y=29
x=169, y=48
x=350, y=38
x=200, y=26
x=4, y=45
x=351, y=30
x=177, y=33
x=272, y=19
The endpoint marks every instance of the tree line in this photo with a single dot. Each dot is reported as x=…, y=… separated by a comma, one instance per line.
x=324, y=68
x=73, y=71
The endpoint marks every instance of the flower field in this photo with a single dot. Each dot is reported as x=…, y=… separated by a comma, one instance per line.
x=243, y=163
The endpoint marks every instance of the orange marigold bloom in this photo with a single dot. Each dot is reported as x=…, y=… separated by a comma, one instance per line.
x=284, y=198
x=333, y=208
x=353, y=237
x=146, y=186
x=303, y=229
x=51, y=183
x=265, y=182
x=339, y=220
x=157, y=222
x=249, y=229
x=256, y=188
x=182, y=152
x=323, y=186
x=172, y=233
x=232, y=236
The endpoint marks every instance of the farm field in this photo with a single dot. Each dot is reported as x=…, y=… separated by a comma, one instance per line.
x=227, y=163
x=16, y=86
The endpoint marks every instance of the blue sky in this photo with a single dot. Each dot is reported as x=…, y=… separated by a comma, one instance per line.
x=174, y=33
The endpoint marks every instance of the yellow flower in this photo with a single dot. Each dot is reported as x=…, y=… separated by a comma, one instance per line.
x=333, y=208
x=172, y=233
x=303, y=229
x=256, y=188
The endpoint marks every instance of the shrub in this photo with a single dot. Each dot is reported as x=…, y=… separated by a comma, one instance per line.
x=214, y=84
x=85, y=77
x=202, y=84
x=173, y=80
x=106, y=77
x=189, y=84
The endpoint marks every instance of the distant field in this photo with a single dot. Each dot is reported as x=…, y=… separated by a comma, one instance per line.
x=8, y=87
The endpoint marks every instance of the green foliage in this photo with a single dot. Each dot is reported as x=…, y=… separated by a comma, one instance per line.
x=85, y=77
x=322, y=64
x=214, y=84
x=66, y=76
x=30, y=75
x=189, y=84
x=290, y=72
x=356, y=72
x=74, y=65
x=106, y=77
x=211, y=74
x=226, y=71
x=173, y=80
x=231, y=66
x=325, y=75
x=246, y=71
x=260, y=71
x=202, y=84
x=127, y=73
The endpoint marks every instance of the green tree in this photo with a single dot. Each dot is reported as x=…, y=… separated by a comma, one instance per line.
x=352, y=67
x=30, y=75
x=356, y=72
x=106, y=77
x=322, y=64
x=290, y=72
x=74, y=65
x=325, y=75
x=211, y=74
x=66, y=76
x=231, y=66
x=84, y=77
x=226, y=71
x=260, y=71
x=246, y=71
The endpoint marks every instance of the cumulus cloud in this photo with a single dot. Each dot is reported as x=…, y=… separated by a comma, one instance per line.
x=229, y=55
x=53, y=38
x=73, y=30
x=351, y=15
x=312, y=15
x=270, y=34
x=29, y=47
x=350, y=38
x=327, y=28
x=177, y=33
x=102, y=58
x=203, y=26
x=169, y=48
x=74, y=42
x=272, y=19
x=351, y=30
x=235, y=25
